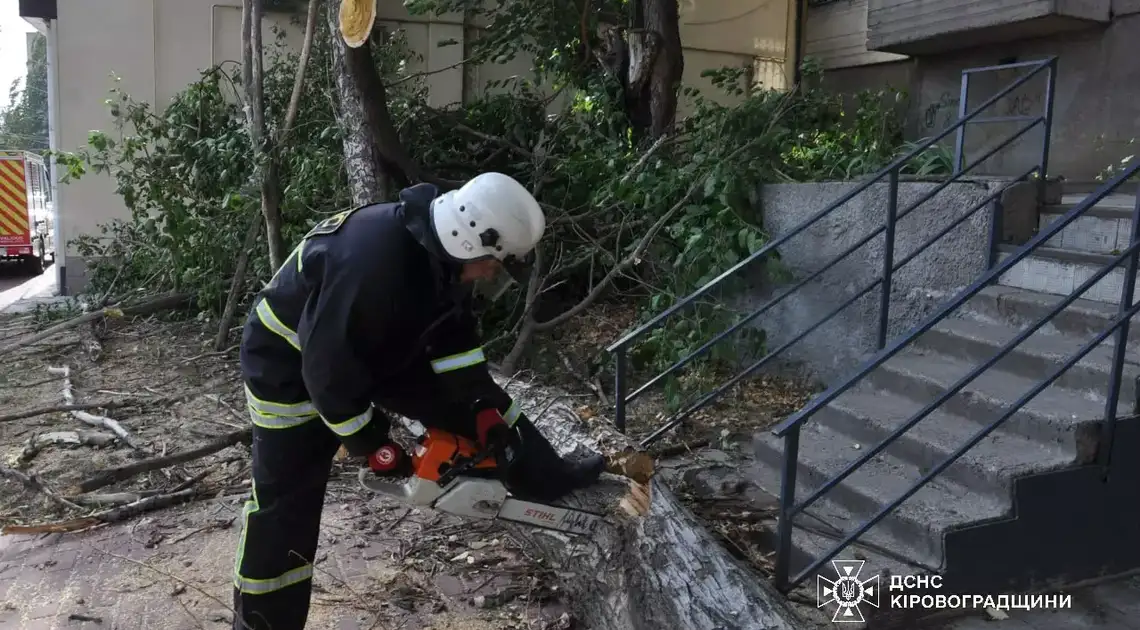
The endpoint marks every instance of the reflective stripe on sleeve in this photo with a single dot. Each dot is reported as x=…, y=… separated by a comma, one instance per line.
x=458, y=361
x=270, y=321
x=352, y=425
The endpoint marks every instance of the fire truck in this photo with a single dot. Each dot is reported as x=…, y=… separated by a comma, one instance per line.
x=25, y=214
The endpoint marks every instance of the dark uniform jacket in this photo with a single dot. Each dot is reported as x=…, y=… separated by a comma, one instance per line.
x=367, y=309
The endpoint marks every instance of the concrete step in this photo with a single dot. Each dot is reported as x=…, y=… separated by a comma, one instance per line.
x=870, y=416
x=816, y=533
x=1020, y=307
x=1061, y=420
x=1081, y=189
x=915, y=529
x=1059, y=271
x=1035, y=358
x=1103, y=229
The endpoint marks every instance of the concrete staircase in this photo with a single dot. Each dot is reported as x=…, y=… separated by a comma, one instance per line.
x=1079, y=251
x=1055, y=434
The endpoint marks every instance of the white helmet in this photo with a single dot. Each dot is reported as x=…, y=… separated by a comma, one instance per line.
x=491, y=216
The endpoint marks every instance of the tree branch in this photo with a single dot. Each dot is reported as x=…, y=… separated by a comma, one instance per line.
x=238, y=282
x=424, y=73
x=247, y=60
x=299, y=78
x=528, y=322
x=631, y=259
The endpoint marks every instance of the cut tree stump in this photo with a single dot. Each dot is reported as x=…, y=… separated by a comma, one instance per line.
x=651, y=566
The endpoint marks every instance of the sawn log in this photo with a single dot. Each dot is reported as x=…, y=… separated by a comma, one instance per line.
x=653, y=565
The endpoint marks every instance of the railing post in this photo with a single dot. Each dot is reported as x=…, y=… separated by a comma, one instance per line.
x=1108, y=429
x=1050, y=88
x=787, y=503
x=619, y=389
x=997, y=217
x=960, y=134
x=888, y=255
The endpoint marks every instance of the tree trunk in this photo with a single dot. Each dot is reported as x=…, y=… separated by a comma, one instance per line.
x=373, y=153
x=646, y=569
x=653, y=62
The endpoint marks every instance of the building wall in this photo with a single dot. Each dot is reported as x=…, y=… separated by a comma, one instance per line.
x=836, y=35
x=1096, y=103
x=157, y=47
x=755, y=34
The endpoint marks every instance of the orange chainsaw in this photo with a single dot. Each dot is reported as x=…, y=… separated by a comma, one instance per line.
x=458, y=476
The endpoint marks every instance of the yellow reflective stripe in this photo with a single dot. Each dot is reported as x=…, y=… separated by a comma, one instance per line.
x=513, y=413
x=271, y=421
x=250, y=507
x=279, y=409
x=263, y=587
x=296, y=252
x=458, y=361
x=255, y=586
x=352, y=425
x=269, y=320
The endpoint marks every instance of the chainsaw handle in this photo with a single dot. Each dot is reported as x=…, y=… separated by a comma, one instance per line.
x=490, y=427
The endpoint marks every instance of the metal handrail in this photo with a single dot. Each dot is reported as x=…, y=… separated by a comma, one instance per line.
x=891, y=171
x=1054, y=228
x=790, y=428
x=682, y=415
x=888, y=255
x=898, y=163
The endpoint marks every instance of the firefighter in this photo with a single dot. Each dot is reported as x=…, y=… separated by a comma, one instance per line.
x=371, y=315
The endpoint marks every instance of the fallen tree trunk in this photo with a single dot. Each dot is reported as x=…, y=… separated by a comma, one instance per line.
x=652, y=566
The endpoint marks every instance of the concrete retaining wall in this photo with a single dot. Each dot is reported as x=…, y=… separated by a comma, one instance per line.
x=837, y=346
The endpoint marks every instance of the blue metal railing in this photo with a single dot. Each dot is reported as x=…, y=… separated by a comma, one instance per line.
x=891, y=174
x=789, y=429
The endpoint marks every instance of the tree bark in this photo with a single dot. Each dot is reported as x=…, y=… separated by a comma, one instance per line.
x=374, y=156
x=649, y=61
x=650, y=567
x=662, y=18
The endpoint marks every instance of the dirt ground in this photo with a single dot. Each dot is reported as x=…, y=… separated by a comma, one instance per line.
x=381, y=565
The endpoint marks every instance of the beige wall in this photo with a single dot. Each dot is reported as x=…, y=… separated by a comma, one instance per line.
x=157, y=47
x=754, y=34
x=836, y=35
